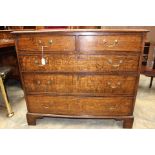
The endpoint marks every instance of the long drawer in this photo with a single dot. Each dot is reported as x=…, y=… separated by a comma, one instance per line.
x=70, y=105
x=50, y=43
x=110, y=42
x=80, y=63
x=81, y=84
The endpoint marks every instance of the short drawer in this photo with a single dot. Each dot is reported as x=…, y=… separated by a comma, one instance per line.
x=70, y=105
x=80, y=63
x=110, y=43
x=80, y=84
x=50, y=43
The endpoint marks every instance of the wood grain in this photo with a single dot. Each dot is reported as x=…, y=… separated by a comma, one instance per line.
x=6, y=34
x=70, y=105
x=80, y=63
x=88, y=73
x=50, y=43
x=100, y=43
x=90, y=84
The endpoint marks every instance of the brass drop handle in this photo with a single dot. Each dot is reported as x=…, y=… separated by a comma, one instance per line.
x=50, y=42
x=112, y=108
x=49, y=82
x=45, y=106
x=114, y=86
x=36, y=61
x=38, y=82
x=115, y=65
x=114, y=43
x=39, y=41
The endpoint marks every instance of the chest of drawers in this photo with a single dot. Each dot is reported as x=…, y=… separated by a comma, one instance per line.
x=87, y=73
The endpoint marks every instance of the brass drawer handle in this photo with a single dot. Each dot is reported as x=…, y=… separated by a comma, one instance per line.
x=114, y=86
x=115, y=65
x=45, y=106
x=49, y=82
x=112, y=108
x=39, y=41
x=38, y=82
x=42, y=43
x=36, y=61
x=50, y=42
x=113, y=44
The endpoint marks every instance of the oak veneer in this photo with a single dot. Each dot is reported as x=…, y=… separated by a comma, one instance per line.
x=80, y=63
x=87, y=73
x=73, y=105
x=73, y=83
x=51, y=43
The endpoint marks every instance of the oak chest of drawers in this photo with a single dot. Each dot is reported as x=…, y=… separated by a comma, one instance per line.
x=80, y=73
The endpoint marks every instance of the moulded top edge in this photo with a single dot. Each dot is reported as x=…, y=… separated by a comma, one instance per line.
x=81, y=30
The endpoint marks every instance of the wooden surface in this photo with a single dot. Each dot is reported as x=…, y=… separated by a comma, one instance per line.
x=92, y=85
x=88, y=73
x=8, y=55
x=83, y=30
x=6, y=43
x=58, y=43
x=148, y=71
x=6, y=34
x=99, y=43
x=148, y=56
x=72, y=105
x=80, y=63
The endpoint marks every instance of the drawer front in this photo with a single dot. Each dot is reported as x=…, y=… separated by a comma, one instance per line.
x=81, y=84
x=49, y=83
x=106, y=84
x=52, y=43
x=70, y=105
x=80, y=63
x=55, y=63
x=110, y=43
